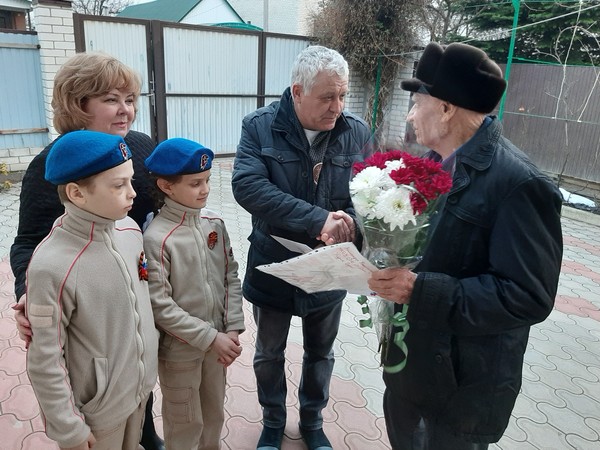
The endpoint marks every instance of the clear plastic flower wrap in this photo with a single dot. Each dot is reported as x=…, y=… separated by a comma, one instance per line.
x=395, y=196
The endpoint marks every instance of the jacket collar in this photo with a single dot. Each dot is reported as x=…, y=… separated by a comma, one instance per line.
x=84, y=223
x=285, y=115
x=177, y=212
x=478, y=151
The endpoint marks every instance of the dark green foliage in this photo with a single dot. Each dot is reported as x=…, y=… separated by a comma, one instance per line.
x=572, y=39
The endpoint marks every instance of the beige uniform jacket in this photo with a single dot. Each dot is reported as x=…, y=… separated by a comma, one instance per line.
x=93, y=357
x=194, y=285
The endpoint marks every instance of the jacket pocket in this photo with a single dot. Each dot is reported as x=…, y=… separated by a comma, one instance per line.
x=286, y=171
x=345, y=162
x=339, y=180
x=177, y=403
x=101, y=378
x=281, y=156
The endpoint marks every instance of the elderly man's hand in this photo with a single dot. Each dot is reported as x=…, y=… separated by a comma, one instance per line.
x=339, y=227
x=394, y=284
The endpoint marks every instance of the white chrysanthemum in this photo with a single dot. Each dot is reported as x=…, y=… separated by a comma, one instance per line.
x=366, y=187
x=393, y=207
x=363, y=205
x=394, y=164
x=370, y=178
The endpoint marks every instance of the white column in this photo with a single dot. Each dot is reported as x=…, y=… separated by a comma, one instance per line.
x=56, y=36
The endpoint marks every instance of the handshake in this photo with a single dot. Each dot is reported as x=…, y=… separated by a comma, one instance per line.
x=339, y=227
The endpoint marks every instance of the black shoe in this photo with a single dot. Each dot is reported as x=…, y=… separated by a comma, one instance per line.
x=270, y=438
x=315, y=439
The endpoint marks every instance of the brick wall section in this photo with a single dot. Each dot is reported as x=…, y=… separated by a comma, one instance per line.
x=54, y=25
x=394, y=125
x=17, y=159
x=356, y=100
x=397, y=109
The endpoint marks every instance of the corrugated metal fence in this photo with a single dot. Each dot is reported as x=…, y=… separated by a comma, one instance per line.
x=199, y=81
x=553, y=114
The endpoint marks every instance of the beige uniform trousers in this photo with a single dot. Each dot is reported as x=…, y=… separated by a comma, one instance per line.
x=193, y=395
x=125, y=436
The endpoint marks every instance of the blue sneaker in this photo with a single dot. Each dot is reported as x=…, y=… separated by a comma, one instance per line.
x=315, y=439
x=270, y=438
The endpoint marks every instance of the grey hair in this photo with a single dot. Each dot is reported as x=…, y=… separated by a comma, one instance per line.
x=315, y=59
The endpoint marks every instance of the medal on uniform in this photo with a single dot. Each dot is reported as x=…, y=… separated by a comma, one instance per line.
x=212, y=239
x=143, y=267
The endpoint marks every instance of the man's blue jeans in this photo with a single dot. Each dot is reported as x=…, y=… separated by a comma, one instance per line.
x=319, y=330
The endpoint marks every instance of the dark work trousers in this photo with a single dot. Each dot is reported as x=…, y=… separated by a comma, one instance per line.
x=150, y=440
x=408, y=430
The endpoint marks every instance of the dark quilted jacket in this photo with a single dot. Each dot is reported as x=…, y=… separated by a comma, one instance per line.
x=273, y=180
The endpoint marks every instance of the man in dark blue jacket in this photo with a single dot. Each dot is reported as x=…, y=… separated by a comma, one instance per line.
x=291, y=172
x=490, y=272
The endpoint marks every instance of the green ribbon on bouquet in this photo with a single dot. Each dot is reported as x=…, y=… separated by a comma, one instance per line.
x=365, y=323
x=398, y=320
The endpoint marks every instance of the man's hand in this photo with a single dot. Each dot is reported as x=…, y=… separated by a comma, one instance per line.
x=23, y=325
x=227, y=348
x=339, y=227
x=395, y=284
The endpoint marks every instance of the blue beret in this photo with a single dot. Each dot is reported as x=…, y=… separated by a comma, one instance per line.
x=178, y=156
x=81, y=154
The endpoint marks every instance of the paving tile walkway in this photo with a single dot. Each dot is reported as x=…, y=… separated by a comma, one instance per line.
x=559, y=407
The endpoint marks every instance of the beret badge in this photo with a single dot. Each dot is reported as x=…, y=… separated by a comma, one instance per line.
x=204, y=160
x=123, y=149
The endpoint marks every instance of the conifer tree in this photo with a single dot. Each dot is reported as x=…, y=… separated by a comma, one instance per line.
x=566, y=32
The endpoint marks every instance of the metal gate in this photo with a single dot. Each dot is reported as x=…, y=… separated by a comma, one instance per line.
x=22, y=119
x=198, y=82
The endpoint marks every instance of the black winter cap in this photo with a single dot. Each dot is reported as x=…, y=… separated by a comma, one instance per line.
x=459, y=74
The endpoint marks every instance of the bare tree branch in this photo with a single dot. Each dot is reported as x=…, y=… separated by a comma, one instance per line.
x=366, y=32
x=100, y=7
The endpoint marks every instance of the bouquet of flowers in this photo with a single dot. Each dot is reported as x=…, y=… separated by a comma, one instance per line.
x=395, y=196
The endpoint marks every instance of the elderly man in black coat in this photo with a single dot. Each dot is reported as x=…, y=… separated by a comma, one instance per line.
x=490, y=272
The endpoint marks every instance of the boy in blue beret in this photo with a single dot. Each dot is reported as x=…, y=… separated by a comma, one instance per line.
x=196, y=296
x=93, y=361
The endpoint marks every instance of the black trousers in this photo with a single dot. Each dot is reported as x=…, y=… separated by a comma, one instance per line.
x=408, y=430
x=150, y=441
